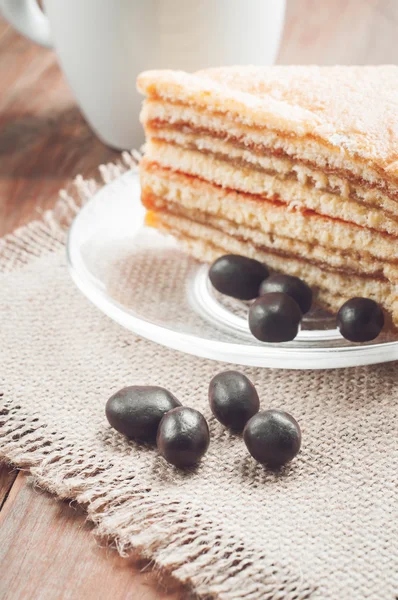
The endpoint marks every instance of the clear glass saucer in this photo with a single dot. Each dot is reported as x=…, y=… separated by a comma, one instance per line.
x=142, y=280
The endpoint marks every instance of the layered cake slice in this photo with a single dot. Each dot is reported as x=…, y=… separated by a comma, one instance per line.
x=294, y=166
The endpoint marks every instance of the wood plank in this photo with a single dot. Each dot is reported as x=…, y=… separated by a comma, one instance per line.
x=47, y=551
x=44, y=140
x=8, y=475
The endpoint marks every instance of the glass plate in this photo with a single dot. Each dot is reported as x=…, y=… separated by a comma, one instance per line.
x=141, y=279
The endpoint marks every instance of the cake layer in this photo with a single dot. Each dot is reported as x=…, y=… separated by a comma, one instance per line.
x=270, y=217
x=230, y=172
x=332, y=289
x=317, y=114
x=271, y=162
x=306, y=150
x=322, y=276
x=279, y=246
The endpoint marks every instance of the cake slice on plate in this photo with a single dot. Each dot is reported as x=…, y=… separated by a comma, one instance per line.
x=294, y=166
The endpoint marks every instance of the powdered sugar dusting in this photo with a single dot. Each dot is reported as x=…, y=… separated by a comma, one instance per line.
x=342, y=141
x=353, y=108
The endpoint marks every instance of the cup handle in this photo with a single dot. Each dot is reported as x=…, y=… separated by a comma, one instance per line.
x=27, y=18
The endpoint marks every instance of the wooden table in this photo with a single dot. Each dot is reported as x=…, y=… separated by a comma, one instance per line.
x=47, y=550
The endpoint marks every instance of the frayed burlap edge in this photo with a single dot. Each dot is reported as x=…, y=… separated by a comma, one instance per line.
x=49, y=233
x=187, y=558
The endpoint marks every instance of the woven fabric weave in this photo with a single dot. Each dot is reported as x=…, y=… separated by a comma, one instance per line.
x=325, y=527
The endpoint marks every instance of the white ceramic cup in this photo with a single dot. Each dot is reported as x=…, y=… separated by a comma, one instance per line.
x=102, y=45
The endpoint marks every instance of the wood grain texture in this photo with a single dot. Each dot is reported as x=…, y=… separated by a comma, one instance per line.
x=47, y=550
x=44, y=140
x=8, y=475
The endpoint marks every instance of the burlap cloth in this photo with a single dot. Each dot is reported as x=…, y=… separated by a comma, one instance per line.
x=326, y=527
